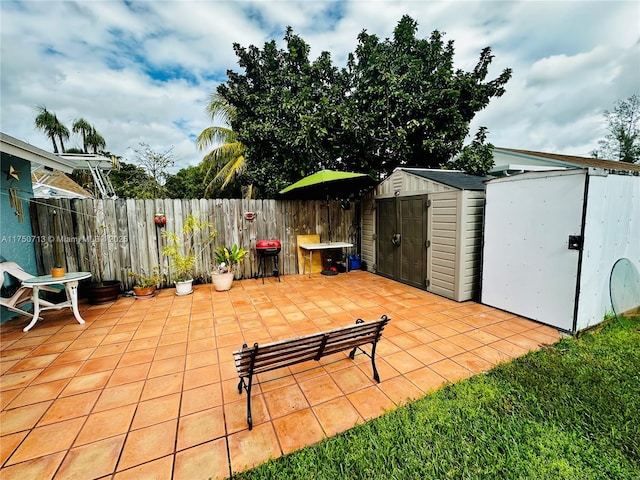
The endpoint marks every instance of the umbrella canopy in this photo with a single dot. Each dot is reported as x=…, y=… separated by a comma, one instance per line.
x=329, y=184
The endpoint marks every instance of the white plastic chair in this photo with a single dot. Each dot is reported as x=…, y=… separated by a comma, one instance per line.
x=22, y=296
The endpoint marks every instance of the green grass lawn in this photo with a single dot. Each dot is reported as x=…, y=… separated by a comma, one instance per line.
x=570, y=411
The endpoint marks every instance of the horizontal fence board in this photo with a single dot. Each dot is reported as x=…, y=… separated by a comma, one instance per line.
x=122, y=235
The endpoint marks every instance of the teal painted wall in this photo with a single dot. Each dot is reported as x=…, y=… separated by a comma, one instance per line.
x=16, y=239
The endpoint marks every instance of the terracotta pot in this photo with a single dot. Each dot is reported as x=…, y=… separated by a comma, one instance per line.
x=57, y=272
x=105, y=292
x=144, y=292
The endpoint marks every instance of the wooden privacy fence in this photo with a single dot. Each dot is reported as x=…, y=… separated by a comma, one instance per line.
x=122, y=234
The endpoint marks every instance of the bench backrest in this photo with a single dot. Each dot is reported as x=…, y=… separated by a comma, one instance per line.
x=271, y=356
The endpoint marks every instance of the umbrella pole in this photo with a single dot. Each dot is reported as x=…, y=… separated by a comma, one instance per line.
x=329, y=218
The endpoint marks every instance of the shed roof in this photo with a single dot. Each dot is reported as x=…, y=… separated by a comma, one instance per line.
x=452, y=178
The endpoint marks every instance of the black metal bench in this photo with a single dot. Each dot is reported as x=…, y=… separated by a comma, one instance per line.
x=270, y=356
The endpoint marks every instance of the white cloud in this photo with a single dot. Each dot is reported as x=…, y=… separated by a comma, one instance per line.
x=92, y=59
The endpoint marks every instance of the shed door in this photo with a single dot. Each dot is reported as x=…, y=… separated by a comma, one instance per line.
x=528, y=268
x=402, y=233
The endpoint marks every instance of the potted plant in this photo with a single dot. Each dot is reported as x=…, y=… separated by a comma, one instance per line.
x=146, y=285
x=181, y=251
x=227, y=258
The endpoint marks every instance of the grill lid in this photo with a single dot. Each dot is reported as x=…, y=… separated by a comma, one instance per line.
x=268, y=244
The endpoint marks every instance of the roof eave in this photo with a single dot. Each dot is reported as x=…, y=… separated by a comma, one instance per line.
x=28, y=152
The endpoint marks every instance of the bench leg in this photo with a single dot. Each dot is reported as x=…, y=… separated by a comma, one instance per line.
x=352, y=355
x=247, y=387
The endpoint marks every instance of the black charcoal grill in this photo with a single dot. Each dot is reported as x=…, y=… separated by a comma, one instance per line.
x=268, y=249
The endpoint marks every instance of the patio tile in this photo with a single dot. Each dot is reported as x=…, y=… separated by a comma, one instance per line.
x=450, y=370
x=200, y=427
x=22, y=418
x=472, y=362
x=69, y=407
x=297, y=430
x=153, y=386
x=319, y=389
x=157, y=469
x=129, y=374
x=351, y=379
x=41, y=468
x=204, y=462
x=148, y=444
x=235, y=413
x=370, y=402
x=336, y=416
x=86, y=383
x=446, y=347
x=8, y=444
x=93, y=460
x=403, y=362
x=106, y=424
x=164, y=385
x=45, y=440
x=250, y=448
x=285, y=400
x=38, y=393
x=156, y=410
x=118, y=396
x=400, y=390
x=137, y=357
x=17, y=380
x=509, y=348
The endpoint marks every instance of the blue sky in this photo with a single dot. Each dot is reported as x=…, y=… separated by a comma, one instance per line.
x=142, y=71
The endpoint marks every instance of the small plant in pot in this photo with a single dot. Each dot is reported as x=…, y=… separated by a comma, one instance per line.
x=181, y=251
x=146, y=285
x=227, y=258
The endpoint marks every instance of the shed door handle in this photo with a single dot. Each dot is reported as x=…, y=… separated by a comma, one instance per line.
x=396, y=239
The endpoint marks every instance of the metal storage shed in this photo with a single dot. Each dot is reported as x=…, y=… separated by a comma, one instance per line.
x=551, y=240
x=423, y=227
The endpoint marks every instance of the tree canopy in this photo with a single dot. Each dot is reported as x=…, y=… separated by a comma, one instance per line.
x=398, y=101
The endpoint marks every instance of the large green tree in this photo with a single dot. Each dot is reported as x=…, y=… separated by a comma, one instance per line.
x=623, y=140
x=285, y=111
x=399, y=101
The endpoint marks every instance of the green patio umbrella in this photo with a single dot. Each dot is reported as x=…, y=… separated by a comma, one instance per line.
x=329, y=185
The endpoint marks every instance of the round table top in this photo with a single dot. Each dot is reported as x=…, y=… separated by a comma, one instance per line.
x=49, y=280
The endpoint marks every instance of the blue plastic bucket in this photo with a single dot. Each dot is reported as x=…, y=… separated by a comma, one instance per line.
x=354, y=262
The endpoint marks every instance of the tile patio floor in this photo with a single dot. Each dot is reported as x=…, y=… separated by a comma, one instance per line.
x=148, y=389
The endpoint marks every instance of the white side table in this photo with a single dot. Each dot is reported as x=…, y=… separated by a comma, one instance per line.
x=70, y=283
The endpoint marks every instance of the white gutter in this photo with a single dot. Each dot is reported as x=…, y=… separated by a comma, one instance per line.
x=28, y=152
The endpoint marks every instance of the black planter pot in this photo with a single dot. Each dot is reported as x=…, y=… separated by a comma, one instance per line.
x=105, y=292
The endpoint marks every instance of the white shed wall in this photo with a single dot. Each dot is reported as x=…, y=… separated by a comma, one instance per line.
x=527, y=266
x=612, y=231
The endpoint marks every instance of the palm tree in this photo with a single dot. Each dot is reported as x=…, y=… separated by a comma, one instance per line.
x=82, y=127
x=61, y=132
x=46, y=121
x=95, y=140
x=227, y=159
